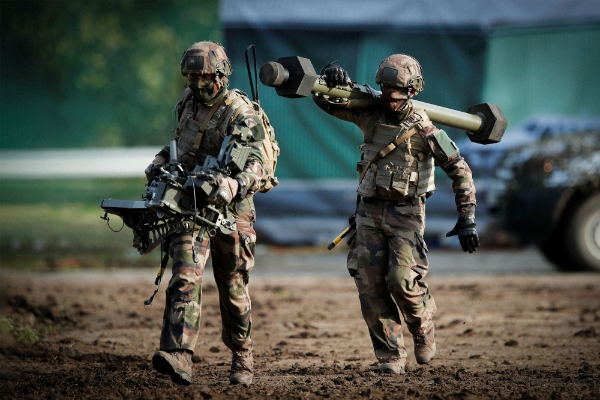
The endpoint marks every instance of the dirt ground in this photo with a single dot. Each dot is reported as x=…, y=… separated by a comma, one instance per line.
x=521, y=337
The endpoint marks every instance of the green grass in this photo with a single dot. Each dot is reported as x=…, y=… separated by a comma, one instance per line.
x=55, y=224
x=68, y=191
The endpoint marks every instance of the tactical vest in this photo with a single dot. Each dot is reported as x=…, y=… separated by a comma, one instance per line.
x=214, y=130
x=193, y=143
x=407, y=171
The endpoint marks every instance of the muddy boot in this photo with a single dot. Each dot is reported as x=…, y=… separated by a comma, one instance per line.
x=394, y=365
x=241, y=370
x=177, y=364
x=424, y=344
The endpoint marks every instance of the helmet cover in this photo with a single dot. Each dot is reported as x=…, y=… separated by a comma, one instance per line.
x=205, y=58
x=400, y=71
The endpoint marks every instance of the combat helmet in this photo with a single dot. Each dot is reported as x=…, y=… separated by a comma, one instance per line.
x=205, y=58
x=401, y=71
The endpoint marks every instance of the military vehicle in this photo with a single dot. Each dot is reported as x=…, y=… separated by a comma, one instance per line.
x=551, y=196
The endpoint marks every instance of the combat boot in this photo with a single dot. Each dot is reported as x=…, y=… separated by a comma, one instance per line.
x=242, y=370
x=177, y=364
x=394, y=365
x=424, y=344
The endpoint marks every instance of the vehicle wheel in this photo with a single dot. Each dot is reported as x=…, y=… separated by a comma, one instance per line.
x=553, y=250
x=583, y=235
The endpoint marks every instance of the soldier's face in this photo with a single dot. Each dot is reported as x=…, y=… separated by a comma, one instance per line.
x=204, y=86
x=393, y=99
x=202, y=79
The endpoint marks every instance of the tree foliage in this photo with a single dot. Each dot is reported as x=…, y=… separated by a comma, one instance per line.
x=95, y=73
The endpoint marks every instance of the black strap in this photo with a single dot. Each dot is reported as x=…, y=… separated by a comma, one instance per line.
x=164, y=248
x=253, y=87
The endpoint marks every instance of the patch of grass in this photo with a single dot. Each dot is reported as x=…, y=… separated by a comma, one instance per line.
x=55, y=224
x=6, y=337
x=69, y=191
x=25, y=335
x=44, y=236
x=11, y=334
x=6, y=325
x=283, y=294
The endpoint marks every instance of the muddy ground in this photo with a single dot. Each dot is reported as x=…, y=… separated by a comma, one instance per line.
x=520, y=337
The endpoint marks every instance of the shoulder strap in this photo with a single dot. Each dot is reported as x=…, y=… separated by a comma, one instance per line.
x=235, y=107
x=183, y=98
x=425, y=121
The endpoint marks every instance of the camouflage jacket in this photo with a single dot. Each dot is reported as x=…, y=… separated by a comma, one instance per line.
x=452, y=164
x=232, y=110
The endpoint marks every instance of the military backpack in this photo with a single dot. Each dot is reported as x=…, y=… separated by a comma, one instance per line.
x=270, y=149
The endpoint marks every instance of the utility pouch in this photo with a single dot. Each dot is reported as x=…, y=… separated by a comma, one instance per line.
x=189, y=127
x=383, y=179
x=360, y=166
x=401, y=180
x=366, y=187
x=188, y=132
x=425, y=170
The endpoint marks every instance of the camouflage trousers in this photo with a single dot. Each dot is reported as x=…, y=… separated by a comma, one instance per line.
x=232, y=260
x=389, y=261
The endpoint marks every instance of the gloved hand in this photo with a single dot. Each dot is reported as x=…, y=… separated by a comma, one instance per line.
x=152, y=171
x=154, y=168
x=335, y=75
x=225, y=189
x=467, y=234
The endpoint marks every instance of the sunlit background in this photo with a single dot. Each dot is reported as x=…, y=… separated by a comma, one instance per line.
x=87, y=90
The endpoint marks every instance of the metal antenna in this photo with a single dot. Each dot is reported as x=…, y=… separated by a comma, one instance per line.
x=253, y=86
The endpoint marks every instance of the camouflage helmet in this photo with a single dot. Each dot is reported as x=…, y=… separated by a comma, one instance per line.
x=205, y=58
x=402, y=71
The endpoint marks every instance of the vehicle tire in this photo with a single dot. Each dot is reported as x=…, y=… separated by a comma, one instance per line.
x=553, y=250
x=582, y=238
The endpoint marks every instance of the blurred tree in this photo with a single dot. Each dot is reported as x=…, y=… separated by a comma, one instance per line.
x=77, y=73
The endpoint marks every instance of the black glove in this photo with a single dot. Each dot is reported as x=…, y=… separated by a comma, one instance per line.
x=152, y=171
x=335, y=75
x=467, y=234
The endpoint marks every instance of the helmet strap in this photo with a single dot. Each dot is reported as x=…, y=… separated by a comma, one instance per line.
x=405, y=106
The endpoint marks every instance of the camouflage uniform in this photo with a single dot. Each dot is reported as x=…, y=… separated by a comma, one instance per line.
x=388, y=259
x=233, y=254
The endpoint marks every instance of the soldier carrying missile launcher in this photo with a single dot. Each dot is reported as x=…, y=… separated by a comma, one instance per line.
x=388, y=256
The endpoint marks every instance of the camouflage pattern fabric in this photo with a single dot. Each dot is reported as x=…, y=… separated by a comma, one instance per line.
x=402, y=71
x=455, y=166
x=232, y=255
x=232, y=260
x=390, y=257
x=253, y=173
x=205, y=58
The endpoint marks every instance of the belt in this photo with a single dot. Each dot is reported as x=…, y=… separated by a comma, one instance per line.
x=403, y=202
